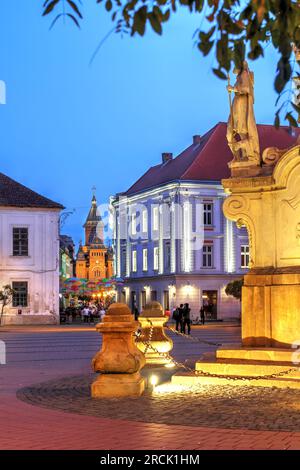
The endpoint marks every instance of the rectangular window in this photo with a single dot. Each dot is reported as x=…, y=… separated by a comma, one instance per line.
x=20, y=295
x=155, y=257
x=133, y=223
x=20, y=241
x=207, y=256
x=167, y=256
x=145, y=259
x=134, y=263
x=123, y=262
x=245, y=256
x=207, y=214
x=155, y=218
x=145, y=220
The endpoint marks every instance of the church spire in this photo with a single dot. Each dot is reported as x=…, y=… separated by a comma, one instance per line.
x=93, y=224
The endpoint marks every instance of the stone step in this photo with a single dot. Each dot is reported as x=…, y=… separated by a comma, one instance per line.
x=258, y=354
x=191, y=379
x=245, y=368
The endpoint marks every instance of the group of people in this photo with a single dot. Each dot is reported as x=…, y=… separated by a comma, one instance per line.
x=87, y=312
x=90, y=312
x=181, y=315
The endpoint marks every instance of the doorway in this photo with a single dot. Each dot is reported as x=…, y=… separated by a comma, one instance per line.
x=210, y=304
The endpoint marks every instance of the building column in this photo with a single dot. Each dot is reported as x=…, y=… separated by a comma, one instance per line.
x=186, y=234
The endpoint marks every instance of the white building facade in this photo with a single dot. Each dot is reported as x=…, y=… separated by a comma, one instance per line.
x=179, y=249
x=29, y=254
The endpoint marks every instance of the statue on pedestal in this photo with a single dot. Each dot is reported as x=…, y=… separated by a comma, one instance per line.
x=242, y=133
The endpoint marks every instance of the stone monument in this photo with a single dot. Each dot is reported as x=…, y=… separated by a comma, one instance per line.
x=242, y=135
x=263, y=195
x=119, y=360
x=152, y=320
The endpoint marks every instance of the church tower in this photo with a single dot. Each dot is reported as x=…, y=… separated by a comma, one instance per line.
x=94, y=259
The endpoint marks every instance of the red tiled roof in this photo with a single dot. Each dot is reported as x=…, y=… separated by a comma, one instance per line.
x=208, y=159
x=15, y=194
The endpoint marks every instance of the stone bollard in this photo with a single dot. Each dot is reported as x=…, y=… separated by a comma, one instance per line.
x=119, y=360
x=153, y=316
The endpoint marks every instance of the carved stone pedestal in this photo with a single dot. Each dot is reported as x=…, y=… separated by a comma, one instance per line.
x=152, y=319
x=119, y=360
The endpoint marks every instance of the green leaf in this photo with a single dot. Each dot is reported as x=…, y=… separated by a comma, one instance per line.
x=139, y=21
x=74, y=7
x=108, y=5
x=50, y=7
x=205, y=47
x=155, y=23
x=292, y=121
x=220, y=74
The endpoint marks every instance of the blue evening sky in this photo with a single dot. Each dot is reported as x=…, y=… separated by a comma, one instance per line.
x=68, y=126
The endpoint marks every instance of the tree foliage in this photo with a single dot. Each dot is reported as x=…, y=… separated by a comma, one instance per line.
x=234, y=288
x=231, y=29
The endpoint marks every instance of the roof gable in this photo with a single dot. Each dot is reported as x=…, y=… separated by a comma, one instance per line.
x=207, y=160
x=15, y=194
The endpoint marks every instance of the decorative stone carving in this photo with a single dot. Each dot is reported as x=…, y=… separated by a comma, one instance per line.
x=119, y=360
x=270, y=209
x=242, y=135
x=271, y=155
x=152, y=320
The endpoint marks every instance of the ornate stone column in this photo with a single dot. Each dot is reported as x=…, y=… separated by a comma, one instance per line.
x=119, y=360
x=269, y=206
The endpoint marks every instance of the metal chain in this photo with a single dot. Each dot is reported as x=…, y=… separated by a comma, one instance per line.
x=193, y=338
x=203, y=373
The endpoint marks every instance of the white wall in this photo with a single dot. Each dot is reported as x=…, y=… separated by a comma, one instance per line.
x=40, y=268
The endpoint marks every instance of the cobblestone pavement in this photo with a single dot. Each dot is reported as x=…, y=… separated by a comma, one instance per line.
x=37, y=355
x=213, y=406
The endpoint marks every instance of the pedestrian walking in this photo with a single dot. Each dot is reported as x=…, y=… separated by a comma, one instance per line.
x=186, y=321
x=202, y=315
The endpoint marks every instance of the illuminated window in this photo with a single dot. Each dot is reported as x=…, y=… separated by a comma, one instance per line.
x=245, y=256
x=145, y=220
x=207, y=214
x=134, y=263
x=207, y=256
x=155, y=257
x=145, y=259
x=133, y=223
x=155, y=218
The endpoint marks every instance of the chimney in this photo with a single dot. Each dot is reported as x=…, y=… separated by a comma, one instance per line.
x=196, y=139
x=166, y=157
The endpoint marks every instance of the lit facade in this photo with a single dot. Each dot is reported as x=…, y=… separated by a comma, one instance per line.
x=160, y=264
x=94, y=260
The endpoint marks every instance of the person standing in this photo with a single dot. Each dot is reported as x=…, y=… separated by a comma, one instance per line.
x=186, y=319
x=136, y=313
x=202, y=315
x=177, y=316
x=86, y=313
